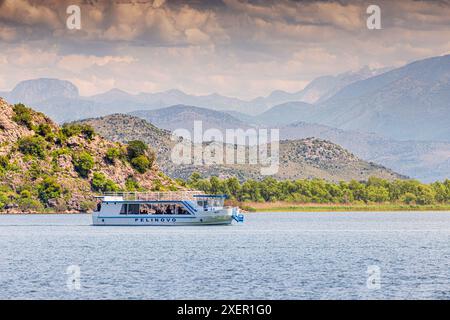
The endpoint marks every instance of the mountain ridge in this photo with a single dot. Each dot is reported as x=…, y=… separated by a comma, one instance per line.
x=305, y=158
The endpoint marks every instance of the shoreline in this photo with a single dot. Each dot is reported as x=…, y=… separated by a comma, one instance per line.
x=314, y=207
x=289, y=207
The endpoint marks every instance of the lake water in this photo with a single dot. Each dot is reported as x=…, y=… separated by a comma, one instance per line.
x=269, y=256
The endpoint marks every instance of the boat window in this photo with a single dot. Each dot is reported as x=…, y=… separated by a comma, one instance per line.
x=181, y=210
x=123, y=209
x=133, y=209
x=145, y=208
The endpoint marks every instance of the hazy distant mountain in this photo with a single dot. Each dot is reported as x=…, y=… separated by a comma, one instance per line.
x=244, y=117
x=424, y=160
x=325, y=87
x=181, y=116
x=37, y=90
x=60, y=99
x=112, y=96
x=317, y=90
x=151, y=101
x=305, y=158
x=284, y=113
x=408, y=103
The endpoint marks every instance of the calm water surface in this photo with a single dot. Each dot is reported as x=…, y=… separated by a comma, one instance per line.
x=270, y=256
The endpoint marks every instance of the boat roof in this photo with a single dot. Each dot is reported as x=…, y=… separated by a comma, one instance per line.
x=158, y=196
x=210, y=196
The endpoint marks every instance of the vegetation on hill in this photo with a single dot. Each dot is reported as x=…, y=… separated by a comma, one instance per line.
x=299, y=159
x=47, y=168
x=373, y=191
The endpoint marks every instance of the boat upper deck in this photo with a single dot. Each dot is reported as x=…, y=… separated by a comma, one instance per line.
x=157, y=196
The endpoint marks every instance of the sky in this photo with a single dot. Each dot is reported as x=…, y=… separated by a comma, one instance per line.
x=236, y=48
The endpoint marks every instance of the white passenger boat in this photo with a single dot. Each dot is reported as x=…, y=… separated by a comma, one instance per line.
x=164, y=208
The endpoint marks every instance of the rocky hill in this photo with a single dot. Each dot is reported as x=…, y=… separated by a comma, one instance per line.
x=44, y=167
x=427, y=161
x=304, y=158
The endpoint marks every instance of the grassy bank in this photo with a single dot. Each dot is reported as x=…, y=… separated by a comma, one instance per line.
x=317, y=207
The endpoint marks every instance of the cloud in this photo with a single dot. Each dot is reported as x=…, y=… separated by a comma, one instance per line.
x=196, y=36
x=29, y=13
x=234, y=47
x=80, y=62
x=7, y=34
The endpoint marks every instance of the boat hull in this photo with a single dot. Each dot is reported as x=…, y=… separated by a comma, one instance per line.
x=161, y=220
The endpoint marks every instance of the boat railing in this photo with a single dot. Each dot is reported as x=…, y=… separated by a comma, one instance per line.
x=154, y=196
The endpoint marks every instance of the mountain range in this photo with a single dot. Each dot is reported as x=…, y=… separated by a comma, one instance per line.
x=408, y=103
x=397, y=117
x=424, y=160
x=300, y=158
x=61, y=100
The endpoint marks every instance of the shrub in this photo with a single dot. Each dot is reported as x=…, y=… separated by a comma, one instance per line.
x=377, y=193
x=33, y=145
x=4, y=162
x=3, y=200
x=157, y=185
x=22, y=115
x=408, y=198
x=45, y=131
x=25, y=194
x=141, y=164
x=131, y=184
x=101, y=183
x=425, y=195
x=83, y=163
x=49, y=188
x=112, y=154
x=29, y=204
x=87, y=206
x=75, y=129
x=135, y=149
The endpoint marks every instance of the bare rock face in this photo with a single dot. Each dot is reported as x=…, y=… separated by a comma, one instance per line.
x=10, y=130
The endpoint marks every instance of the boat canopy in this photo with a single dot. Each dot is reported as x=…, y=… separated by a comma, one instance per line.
x=224, y=196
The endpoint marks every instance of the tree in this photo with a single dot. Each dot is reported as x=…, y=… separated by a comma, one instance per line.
x=33, y=145
x=4, y=162
x=233, y=186
x=131, y=184
x=83, y=163
x=112, y=154
x=194, y=178
x=22, y=115
x=377, y=193
x=75, y=129
x=101, y=183
x=408, y=198
x=141, y=163
x=45, y=131
x=358, y=190
x=49, y=188
x=425, y=194
x=136, y=148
